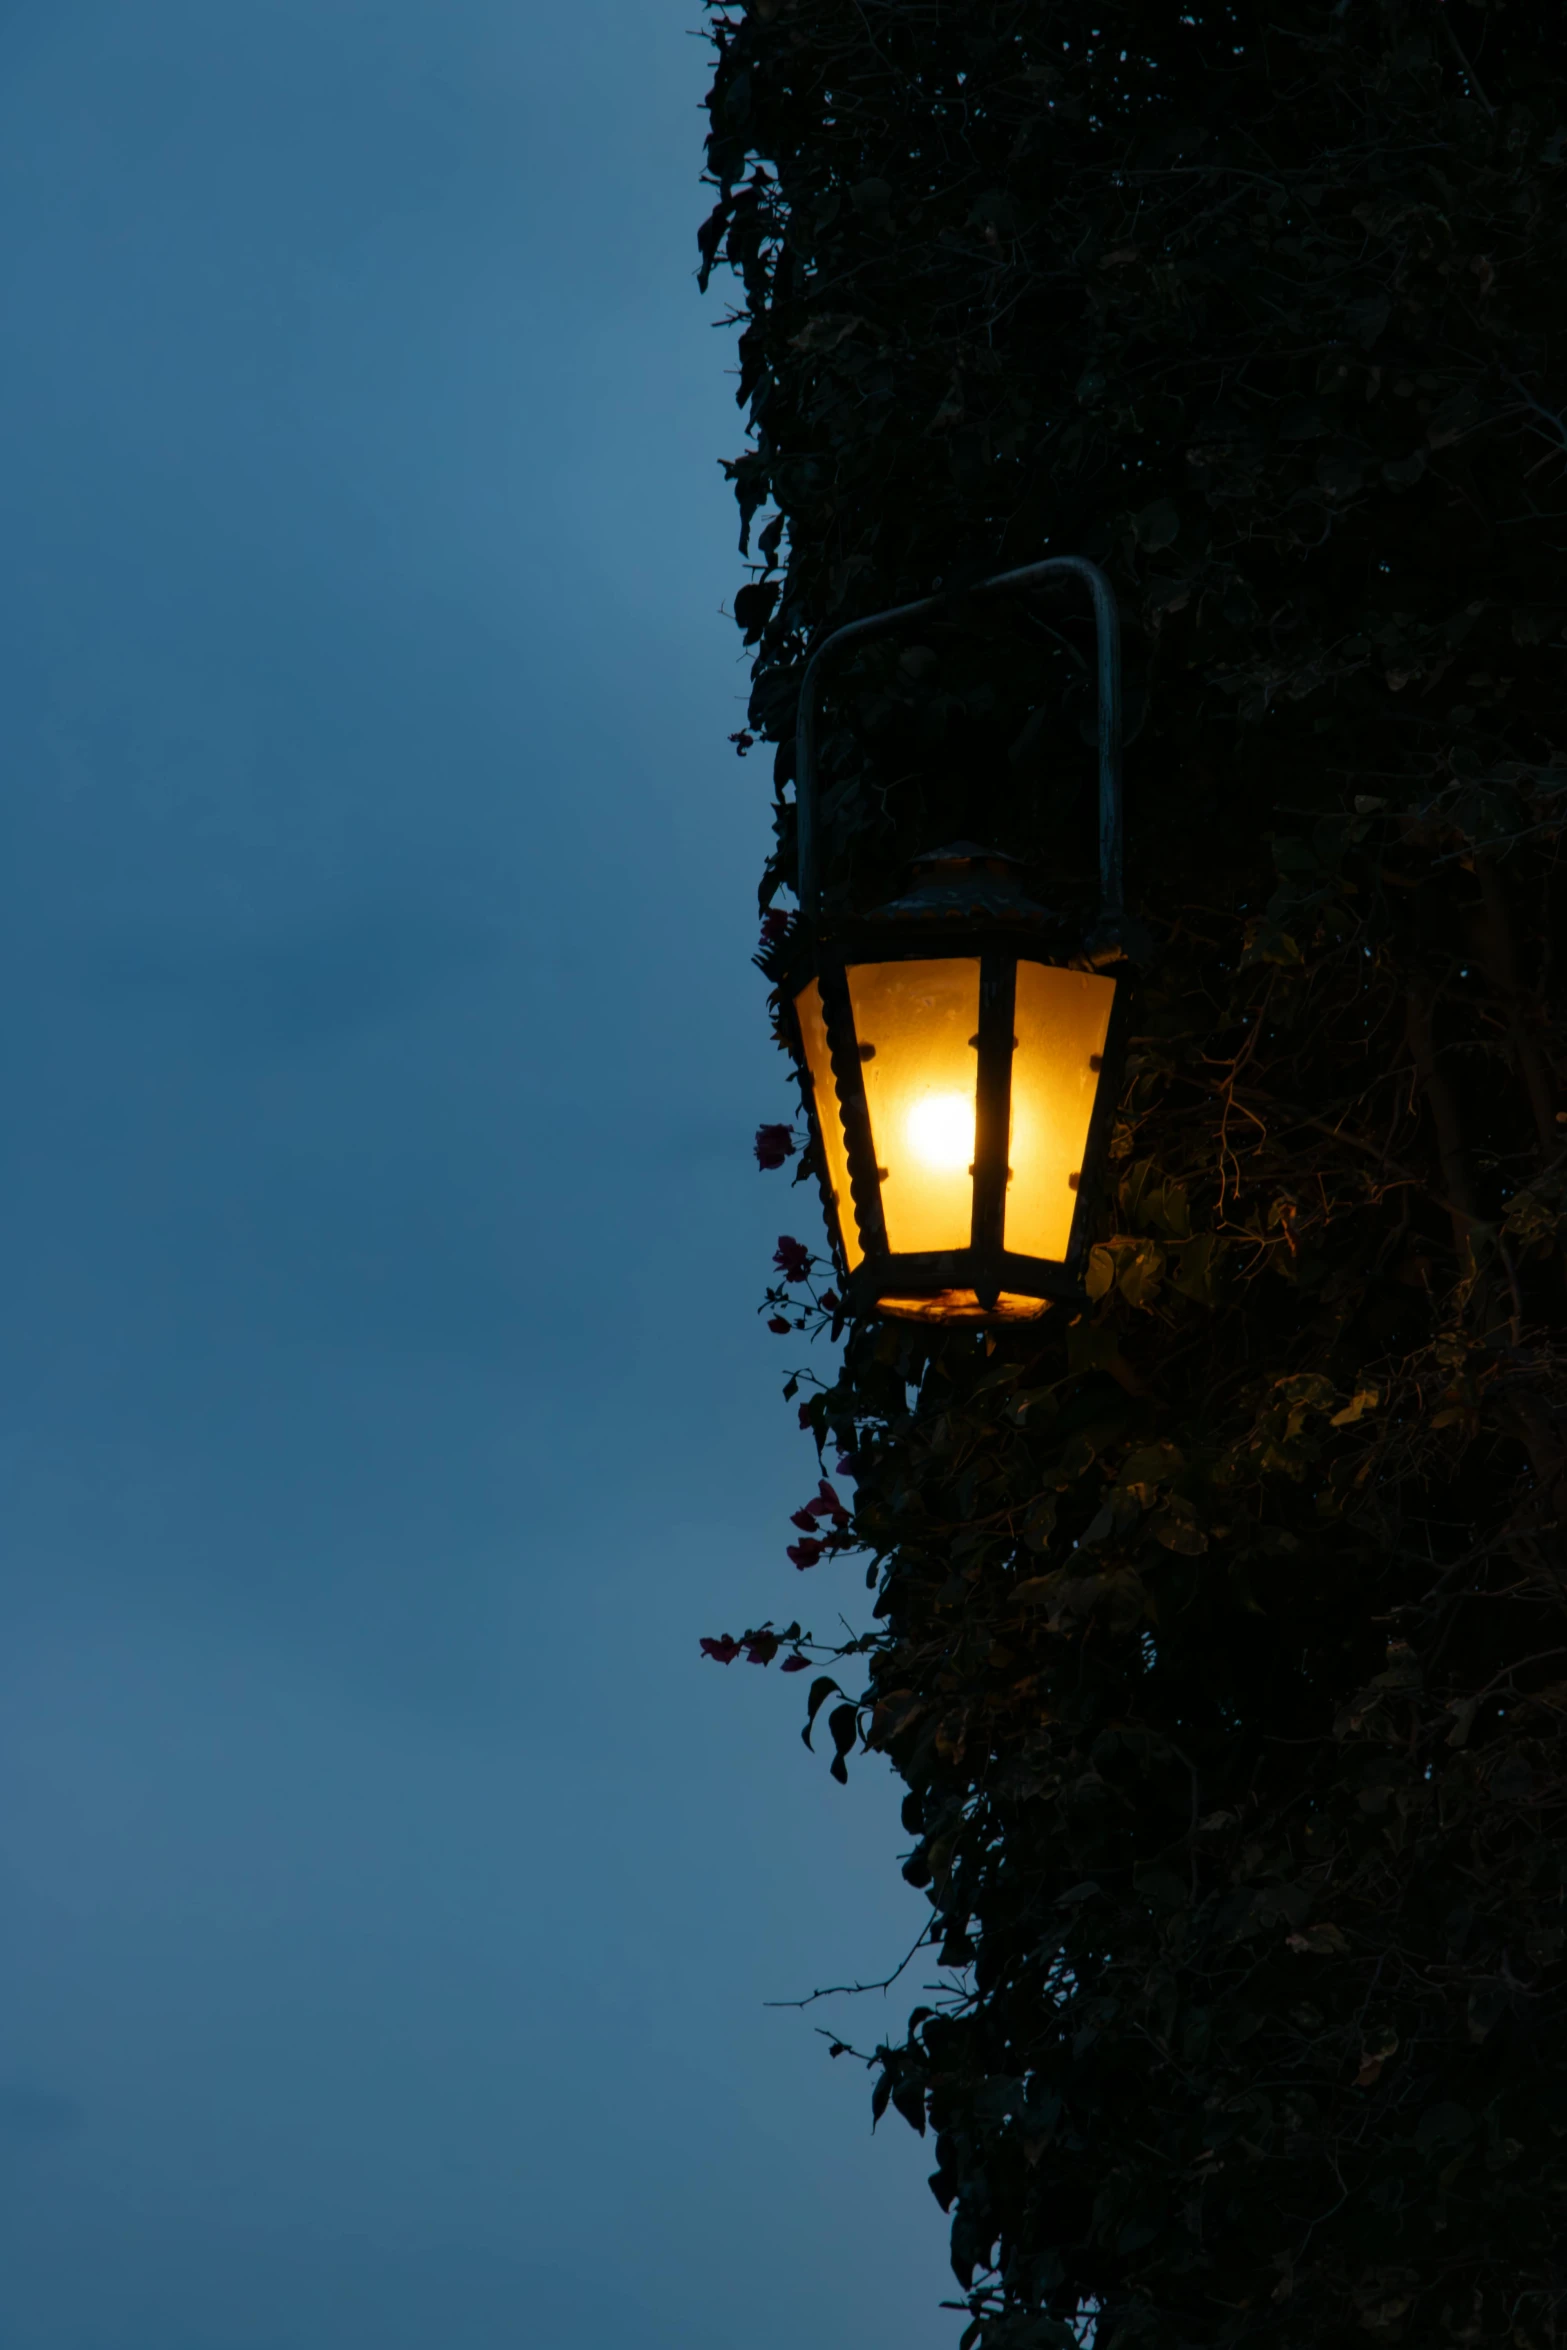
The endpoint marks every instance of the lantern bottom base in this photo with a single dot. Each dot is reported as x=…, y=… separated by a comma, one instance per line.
x=962, y=1305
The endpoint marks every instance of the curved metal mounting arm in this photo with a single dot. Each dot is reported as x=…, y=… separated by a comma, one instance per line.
x=1108, y=630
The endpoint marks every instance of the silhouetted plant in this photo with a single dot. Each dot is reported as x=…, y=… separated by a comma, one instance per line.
x=1221, y=1628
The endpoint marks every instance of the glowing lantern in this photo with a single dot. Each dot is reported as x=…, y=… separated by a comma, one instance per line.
x=958, y=1054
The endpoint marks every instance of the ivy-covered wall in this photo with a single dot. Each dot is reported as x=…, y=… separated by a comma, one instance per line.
x=1220, y=1627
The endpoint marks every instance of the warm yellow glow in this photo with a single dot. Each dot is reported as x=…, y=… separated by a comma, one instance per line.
x=962, y=1305
x=1061, y=1022
x=829, y=1122
x=941, y=1131
x=916, y=1023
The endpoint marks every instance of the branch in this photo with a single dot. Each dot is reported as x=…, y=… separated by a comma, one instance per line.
x=850, y=1990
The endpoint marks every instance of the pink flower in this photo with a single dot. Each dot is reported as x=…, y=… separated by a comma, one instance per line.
x=826, y=1505
x=794, y=1664
x=773, y=1145
x=792, y=1258
x=779, y=1327
x=723, y=1651
x=804, y=1554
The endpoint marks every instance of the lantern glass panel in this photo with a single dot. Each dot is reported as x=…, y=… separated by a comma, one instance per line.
x=917, y=1026
x=829, y=1121
x=963, y=1305
x=1061, y=1021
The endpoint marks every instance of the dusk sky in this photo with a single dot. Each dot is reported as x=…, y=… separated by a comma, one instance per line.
x=389, y=1893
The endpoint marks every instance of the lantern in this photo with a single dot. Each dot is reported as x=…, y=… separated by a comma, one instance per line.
x=958, y=1049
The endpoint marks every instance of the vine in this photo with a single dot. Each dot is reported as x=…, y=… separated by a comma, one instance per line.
x=1219, y=1635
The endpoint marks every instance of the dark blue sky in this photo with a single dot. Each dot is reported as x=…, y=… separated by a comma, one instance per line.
x=388, y=1893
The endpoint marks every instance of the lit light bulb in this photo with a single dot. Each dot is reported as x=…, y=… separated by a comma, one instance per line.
x=941, y=1132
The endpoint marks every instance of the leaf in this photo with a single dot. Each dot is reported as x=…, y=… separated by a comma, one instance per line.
x=1367, y=318
x=844, y=1725
x=1456, y=415
x=1340, y=475
x=1140, y=1272
x=1100, y=1277
x=1157, y=525
x=753, y=607
x=823, y=1687
x=1040, y=1522
x=1199, y=1268
x=1178, y=1533
x=1322, y=1941
x=1487, y=2004
x=1267, y=943
x=1529, y=1219
x=1119, y=1513
x=1363, y=1400
x=1301, y=420
x=1154, y=1204
x=824, y=332
x=1151, y=1464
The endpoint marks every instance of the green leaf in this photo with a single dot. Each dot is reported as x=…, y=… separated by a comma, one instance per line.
x=1100, y=1277
x=1139, y=1272
x=1154, y=1203
x=1199, y=1269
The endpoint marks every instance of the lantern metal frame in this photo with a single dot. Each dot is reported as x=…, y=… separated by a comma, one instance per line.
x=998, y=938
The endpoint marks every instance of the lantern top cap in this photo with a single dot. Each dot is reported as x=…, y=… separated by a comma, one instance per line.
x=964, y=882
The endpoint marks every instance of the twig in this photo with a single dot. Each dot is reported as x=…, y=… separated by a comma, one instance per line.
x=1472, y=76
x=848, y=1990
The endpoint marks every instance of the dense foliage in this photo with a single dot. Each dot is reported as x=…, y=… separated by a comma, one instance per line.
x=1220, y=1634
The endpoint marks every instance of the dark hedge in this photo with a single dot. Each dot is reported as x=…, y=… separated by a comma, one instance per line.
x=1220, y=1635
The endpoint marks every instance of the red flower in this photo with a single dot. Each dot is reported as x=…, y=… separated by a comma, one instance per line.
x=723, y=1651
x=774, y=925
x=773, y=1145
x=794, y=1664
x=779, y=1326
x=805, y=1416
x=844, y=1464
x=803, y=1554
x=792, y=1258
x=826, y=1505
x=805, y=1520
